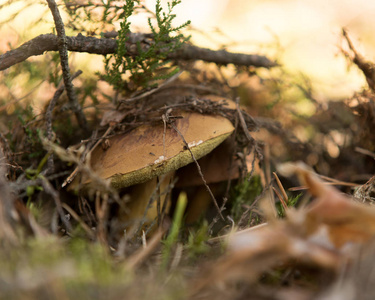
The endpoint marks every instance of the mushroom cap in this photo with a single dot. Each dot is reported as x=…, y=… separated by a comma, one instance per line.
x=140, y=155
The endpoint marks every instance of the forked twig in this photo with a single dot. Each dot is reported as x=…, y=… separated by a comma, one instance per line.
x=70, y=178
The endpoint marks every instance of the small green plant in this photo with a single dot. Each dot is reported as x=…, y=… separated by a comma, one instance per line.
x=31, y=141
x=197, y=241
x=172, y=238
x=244, y=193
x=144, y=68
x=292, y=202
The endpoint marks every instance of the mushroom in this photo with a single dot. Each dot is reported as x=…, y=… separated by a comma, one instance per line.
x=139, y=157
x=148, y=151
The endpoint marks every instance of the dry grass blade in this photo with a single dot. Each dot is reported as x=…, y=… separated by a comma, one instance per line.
x=280, y=198
x=85, y=227
x=365, y=152
x=331, y=181
x=267, y=178
x=285, y=196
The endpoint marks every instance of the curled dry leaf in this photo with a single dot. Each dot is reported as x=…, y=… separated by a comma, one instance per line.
x=345, y=221
x=148, y=151
x=254, y=252
x=322, y=234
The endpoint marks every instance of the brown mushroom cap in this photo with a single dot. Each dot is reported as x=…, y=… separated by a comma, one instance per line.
x=140, y=155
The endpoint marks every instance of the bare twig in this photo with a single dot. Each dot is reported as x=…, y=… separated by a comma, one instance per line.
x=80, y=43
x=63, y=50
x=85, y=227
x=51, y=106
x=222, y=57
x=83, y=157
x=68, y=155
x=138, y=257
x=365, y=152
x=148, y=93
x=365, y=66
x=231, y=234
x=199, y=170
x=333, y=182
x=47, y=186
x=243, y=122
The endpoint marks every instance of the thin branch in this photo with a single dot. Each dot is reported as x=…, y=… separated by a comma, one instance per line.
x=367, y=67
x=243, y=122
x=80, y=43
x=199, y=171
x=75, y=216
x=222, y=57
x=85, y=154
x=63, y=50
x=138, y=257
x=49, y=111
x=49, y=189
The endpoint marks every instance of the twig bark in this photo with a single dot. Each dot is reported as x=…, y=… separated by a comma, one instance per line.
x=49, y=189
x=51, y=106
x=63, y=50
x=367, y=67
x=80, y=43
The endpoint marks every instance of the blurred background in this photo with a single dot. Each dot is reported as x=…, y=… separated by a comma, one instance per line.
x=304, y=36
